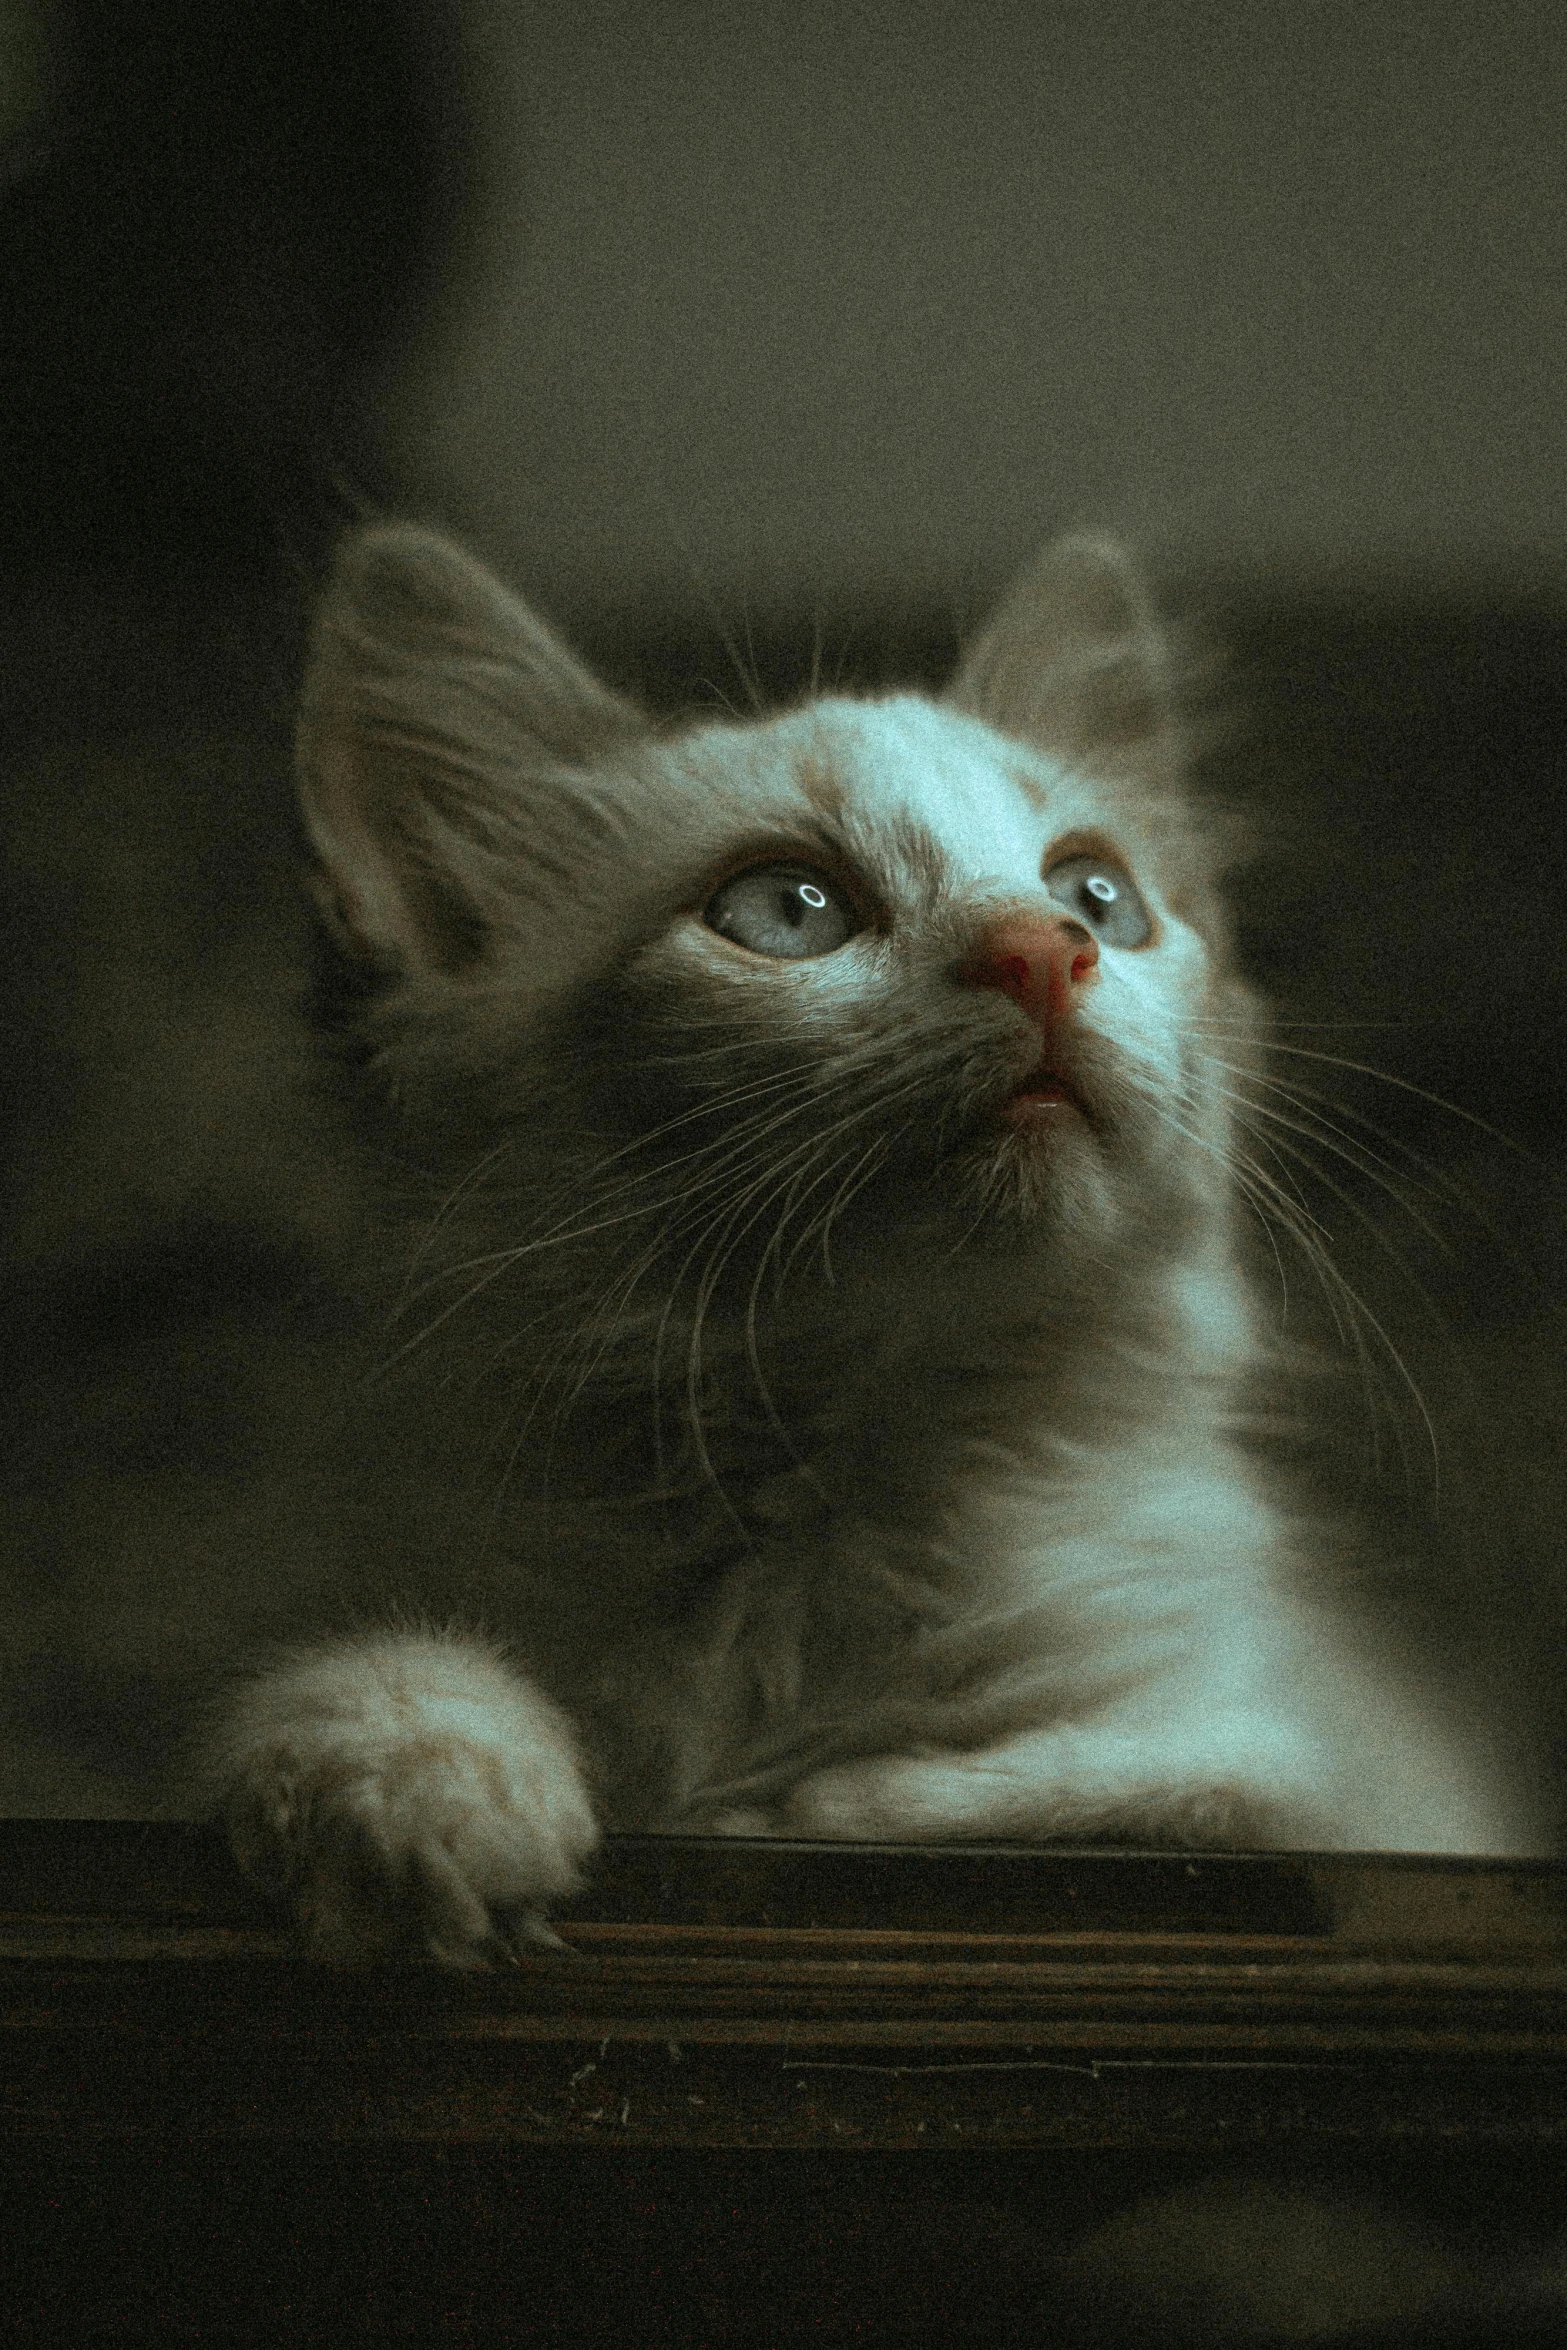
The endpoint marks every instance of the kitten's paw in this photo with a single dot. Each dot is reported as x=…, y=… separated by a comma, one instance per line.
x=411, y=1794
x=741, y=1819
x=1247, y=1787
x=888, y=1799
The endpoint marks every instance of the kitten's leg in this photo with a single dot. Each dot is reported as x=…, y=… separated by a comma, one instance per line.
x=1243, y=1781
x=409, y=1791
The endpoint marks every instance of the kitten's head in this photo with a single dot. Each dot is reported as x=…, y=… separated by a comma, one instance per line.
x=871, y=974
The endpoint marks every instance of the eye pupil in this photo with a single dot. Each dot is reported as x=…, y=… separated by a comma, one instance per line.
x=785, y=911
x=1099, y=890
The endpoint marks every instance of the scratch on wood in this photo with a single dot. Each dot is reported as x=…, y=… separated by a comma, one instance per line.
x=1101, y=2064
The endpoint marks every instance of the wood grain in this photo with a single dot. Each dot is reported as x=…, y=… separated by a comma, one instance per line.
x=719, y=1992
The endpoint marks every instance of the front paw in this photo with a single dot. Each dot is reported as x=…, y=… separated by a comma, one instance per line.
x=412, y=1796
x=886, y=1799
x=1220, y=1784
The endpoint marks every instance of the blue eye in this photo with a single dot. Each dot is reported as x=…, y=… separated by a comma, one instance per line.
x=1103, y=894
x=790, y=912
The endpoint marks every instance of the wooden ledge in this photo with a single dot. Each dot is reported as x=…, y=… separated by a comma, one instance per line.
x=719, y=1991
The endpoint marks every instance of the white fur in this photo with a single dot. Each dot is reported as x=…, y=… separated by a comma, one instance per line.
x=938, y=1528
x=407, y=1789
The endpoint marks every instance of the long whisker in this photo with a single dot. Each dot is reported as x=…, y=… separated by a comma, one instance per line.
x=1358, y=1156
x=864, y=1168
x=1306, y=1097
x=803, y=1079
x=796, y=1192
x=1405, y=1085
x=460, y=1190
x=1268, y=1199
x=609, y=1309
x=734, y=1142
x=621, y=1289
x=819, y=1225
x=726, y=1236
x=726, y=1232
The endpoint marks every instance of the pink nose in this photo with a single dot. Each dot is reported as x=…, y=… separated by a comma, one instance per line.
x=1042, y=961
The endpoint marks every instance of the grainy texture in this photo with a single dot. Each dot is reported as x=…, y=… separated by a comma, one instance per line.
x=721, y=1993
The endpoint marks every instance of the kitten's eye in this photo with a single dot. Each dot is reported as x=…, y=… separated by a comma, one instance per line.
x=1104, y=895
x=789, y=911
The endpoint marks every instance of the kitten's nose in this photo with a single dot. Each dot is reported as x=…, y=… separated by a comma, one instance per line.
x=1042, y=961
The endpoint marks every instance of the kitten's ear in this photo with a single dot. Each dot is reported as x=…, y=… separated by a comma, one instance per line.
x=1073, y=662
x=433, y=698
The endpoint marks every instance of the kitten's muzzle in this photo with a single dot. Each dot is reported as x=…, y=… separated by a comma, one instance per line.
x=1044, y=963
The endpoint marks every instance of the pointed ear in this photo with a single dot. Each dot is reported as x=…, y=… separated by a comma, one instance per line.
x=433, y=698
x=1073, y=662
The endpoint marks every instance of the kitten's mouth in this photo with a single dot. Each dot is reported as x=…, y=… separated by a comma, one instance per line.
x=1043, y=1093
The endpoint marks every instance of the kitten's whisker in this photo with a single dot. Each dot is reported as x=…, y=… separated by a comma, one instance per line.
x=794, y=1197
x=1367, y=1222
x=1313, y=1126
x=1405, y=1085
x=609, y=1309
x=721, y=628
x=1346, y=1309
x=1312, y=1133
x=1255, y=1183
x=735, y=1142
x=1305, y=1098
x=818, y=1224
x=1277, y=1209
x=1206, y=1025
x=1271, y=1203
x=804, y=1078
x=724, y=1234
x=596, y=1330
x=864, y=1169
x=803, y=1081
x=711, y=1230
x=459, y=1191
x=1360, y=1312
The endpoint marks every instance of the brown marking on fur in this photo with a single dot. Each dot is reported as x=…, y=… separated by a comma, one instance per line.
x=823, y=788
x=1036, y=793
x=920, y=853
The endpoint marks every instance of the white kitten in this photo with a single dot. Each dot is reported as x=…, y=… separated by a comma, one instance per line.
x=839, y=1220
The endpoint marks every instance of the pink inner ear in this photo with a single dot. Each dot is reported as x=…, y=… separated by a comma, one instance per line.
x=433, y=696
x=358, y=888
x=1073, y=660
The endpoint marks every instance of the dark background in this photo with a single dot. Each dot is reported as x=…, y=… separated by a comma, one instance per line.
x=766, y=323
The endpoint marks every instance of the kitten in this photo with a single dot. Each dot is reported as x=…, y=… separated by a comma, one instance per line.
x=839, y=1257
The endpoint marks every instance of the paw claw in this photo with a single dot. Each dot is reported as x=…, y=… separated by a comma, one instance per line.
x=414, y=1796
x=531, y=1933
